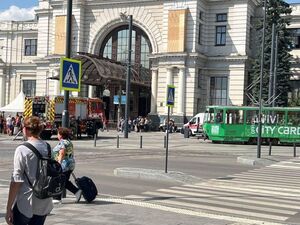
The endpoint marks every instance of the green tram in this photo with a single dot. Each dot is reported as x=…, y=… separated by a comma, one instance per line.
x=240, y=124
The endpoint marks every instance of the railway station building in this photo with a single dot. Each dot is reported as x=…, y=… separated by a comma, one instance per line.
x=202, y=47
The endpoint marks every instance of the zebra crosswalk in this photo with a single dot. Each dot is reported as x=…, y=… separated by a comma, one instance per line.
x=266, y=195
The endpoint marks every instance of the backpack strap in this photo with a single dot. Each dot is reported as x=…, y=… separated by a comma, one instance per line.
x=38, y=155
x=49, y=150
x=33, y=149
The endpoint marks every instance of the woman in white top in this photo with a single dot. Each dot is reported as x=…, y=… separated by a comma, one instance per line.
x=23, y=208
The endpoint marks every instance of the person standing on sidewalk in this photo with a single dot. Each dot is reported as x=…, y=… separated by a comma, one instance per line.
x=64, y=154
x=23, y=207
x=9, y=125
x=1, y=124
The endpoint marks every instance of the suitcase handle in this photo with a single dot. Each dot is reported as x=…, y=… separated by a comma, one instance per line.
x=73, y=175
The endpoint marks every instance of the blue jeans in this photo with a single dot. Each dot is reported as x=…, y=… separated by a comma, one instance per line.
x=20, y=219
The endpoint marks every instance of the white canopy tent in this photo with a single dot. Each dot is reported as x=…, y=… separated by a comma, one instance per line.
x=17, y=105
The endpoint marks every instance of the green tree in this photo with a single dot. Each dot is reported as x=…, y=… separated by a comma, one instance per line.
x=294, y=102
x=278, y=12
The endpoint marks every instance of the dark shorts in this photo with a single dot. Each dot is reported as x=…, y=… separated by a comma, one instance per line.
x=20, y=219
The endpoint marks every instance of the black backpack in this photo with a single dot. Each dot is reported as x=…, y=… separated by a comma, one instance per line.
x=50, y=180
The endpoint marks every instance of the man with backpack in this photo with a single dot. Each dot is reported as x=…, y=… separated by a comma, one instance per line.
x=27, y=203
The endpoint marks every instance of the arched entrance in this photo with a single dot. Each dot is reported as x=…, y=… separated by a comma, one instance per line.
x=115, y=47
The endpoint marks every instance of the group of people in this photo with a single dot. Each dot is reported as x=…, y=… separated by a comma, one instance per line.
x=172, y=126
x=138, y=124
x=23, y=207
x=10, y=125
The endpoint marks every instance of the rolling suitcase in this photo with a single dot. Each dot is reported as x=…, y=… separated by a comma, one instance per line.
x=88, y=187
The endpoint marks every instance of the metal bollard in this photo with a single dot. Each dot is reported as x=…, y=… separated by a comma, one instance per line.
x=295, y=150
x=270, y=146
x=118, y=141
x=165, y=141
x=95, y=139
x=141, y=141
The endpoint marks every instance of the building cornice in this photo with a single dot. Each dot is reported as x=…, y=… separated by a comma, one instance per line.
x=197, y=55
x=59, y=3
x=255, y=2
x=229, y=58
x=43, y=11
x=168, y=55
x=23, y=64
x=41, y=61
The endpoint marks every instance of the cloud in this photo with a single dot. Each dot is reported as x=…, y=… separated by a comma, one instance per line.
x=17, y=14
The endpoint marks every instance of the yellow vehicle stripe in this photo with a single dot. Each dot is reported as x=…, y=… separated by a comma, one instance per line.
x=28, y=108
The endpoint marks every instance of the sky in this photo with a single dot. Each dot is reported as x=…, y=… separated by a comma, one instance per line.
x=24, y=9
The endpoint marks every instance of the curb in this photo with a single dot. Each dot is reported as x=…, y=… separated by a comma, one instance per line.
x=151, y=174
x=253, y=161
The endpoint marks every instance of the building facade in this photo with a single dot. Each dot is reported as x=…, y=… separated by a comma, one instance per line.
x=202, y=47
x=295, y=26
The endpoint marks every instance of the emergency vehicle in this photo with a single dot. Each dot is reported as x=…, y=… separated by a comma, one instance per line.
x=87, y=113
x=195, y=125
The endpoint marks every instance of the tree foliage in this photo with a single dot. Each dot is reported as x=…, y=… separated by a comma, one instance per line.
x=277, y=12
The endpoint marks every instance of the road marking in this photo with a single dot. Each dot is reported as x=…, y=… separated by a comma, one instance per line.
x=265, y=194
x=287, y=166
x=219, y=206
x=260, y=187
x=185, y=211
x=271, y=179
x=250, y=189
x=226, y=195
x=243, y=181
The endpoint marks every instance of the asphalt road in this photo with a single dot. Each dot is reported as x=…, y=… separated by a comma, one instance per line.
x=228, y=192
x=99, y=162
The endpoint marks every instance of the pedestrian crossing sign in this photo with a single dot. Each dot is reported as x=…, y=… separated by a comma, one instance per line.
x=170, y=95
x=70, y=74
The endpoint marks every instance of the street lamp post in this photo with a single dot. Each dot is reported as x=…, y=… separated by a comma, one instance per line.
x=127, y=106
x=65, y=113
x=262, y=61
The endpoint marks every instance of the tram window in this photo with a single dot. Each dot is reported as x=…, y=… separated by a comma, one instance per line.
x=219, y=116
x=272, y=118
x=210, y=116
x=293, y=118
x=280, y=117
x=252, y=116
x=234, y=117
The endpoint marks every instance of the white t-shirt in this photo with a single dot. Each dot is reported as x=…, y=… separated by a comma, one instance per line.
x=9, y=121
x=26, y=161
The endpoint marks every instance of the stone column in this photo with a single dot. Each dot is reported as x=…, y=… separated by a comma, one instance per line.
x=181, y=91
x=169, y=76
x=2, y=88
x=91, y=93
x=154, y=91
x=169, y=81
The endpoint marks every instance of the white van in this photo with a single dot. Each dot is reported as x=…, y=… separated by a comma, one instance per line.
x=195, y=124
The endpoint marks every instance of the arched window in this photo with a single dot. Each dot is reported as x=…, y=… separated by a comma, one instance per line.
x=115, y=46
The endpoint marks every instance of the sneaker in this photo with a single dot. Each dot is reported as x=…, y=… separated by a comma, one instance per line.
x=56, y=201
x=78, y=195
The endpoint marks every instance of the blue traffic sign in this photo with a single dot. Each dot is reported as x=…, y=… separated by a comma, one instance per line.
x=170, y=95
x=70, y=74
x=117, y=99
